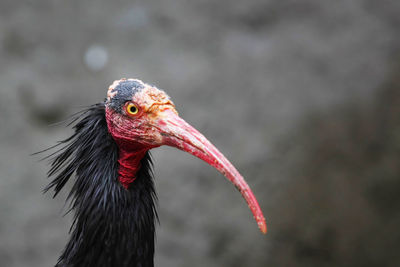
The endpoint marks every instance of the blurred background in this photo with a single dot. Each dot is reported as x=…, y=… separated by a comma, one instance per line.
x=302, y=96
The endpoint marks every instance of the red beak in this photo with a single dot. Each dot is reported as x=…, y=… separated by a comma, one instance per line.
x=178, y=133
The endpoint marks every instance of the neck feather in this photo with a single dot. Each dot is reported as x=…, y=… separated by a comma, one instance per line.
x=113, y=223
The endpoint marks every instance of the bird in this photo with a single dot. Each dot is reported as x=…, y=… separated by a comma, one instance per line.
x=112, y=195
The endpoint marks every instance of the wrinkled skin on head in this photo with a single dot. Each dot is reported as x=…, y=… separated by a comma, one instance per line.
x=140, y=128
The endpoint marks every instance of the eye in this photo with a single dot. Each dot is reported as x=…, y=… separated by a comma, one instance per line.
x=131, y=109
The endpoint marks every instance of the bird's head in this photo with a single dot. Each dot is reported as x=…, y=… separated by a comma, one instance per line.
x=141, y=117
x=137, y=114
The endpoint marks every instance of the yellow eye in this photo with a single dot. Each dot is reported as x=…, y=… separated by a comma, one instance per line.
x=131, y=109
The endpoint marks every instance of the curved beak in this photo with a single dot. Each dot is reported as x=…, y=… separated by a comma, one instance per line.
x=178, y=133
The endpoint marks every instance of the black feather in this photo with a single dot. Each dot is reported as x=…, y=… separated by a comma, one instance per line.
x=112, y=226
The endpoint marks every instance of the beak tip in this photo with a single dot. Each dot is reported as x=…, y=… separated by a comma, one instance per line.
x=264, y=230
x=263, y=227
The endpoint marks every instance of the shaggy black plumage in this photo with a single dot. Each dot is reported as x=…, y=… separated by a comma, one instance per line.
x=112, y=226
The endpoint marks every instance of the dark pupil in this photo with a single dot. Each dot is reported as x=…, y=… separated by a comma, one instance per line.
x=132, y=109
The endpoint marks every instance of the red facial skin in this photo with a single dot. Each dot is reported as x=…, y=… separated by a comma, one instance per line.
x=157, y=123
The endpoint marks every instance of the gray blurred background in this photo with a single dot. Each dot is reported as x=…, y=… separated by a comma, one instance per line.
x=302, y=96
